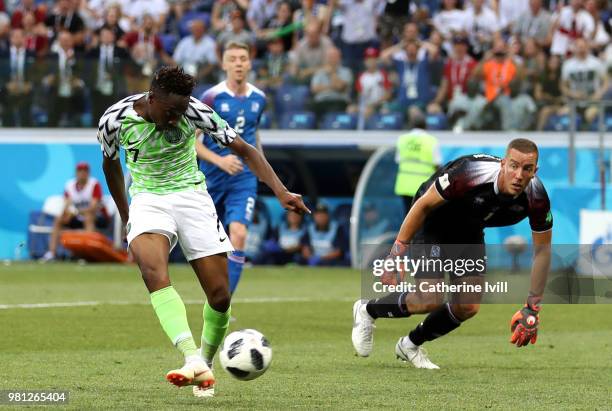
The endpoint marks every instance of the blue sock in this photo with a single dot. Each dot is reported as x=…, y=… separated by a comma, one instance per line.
x=234, y=265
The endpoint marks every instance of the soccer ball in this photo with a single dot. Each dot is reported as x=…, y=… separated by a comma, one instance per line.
x=245, y=354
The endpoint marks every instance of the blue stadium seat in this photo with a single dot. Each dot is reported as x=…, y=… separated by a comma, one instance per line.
x=265, y=122
x=561, y=123
x=183, y=24
x=392, y=121
x=607, y=123
x=436, y=122
x=200, y=89
x=290, y=98
x=169, y=42
x=339, y=121
x=300, y=120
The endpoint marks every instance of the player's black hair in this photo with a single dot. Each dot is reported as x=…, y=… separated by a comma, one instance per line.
x=172, y=80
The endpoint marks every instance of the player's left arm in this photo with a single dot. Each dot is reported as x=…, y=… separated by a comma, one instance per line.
x=524, y=323
x=258, y=164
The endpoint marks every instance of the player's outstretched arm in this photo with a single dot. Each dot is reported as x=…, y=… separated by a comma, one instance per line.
x=524, y=323
x=263, y=170
x=114, y=179
x=230, y=163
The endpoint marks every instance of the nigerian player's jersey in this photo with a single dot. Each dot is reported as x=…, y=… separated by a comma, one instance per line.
x=160, y=161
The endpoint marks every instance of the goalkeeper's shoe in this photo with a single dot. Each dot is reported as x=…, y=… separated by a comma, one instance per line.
x=193, y=372
x=363, y=329
x=205, y=390
x=405, y=350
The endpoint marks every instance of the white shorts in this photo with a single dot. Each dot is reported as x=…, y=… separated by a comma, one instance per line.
x=188, y=217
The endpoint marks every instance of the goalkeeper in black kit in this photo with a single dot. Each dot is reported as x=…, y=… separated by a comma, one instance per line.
x=447, y=220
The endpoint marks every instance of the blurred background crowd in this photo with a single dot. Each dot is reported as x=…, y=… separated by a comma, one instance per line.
x=458, y=64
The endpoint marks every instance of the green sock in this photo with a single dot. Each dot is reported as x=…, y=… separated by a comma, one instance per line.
x=173, y=318
x=215, y=326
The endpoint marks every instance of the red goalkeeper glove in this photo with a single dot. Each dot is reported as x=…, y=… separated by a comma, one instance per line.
x=395, y=276
x=524, y=323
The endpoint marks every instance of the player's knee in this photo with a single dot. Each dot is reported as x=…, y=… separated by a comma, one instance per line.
x=465, y=311
x=154, y=277
x=238, y=234
x=219, y=299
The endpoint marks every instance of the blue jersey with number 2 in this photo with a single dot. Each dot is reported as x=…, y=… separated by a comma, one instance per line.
x=243, y=114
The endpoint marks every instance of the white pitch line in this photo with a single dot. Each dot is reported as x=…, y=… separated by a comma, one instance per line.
x=252, y=300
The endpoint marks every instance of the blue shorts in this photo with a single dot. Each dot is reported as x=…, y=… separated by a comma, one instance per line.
x=236, y=202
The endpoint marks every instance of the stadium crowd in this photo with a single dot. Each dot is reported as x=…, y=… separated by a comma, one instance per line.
x=467, y=65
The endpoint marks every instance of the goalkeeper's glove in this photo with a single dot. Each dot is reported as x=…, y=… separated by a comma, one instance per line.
x=524, y=323
x=395, y=276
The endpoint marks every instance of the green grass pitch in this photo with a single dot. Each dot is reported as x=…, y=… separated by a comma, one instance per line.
x=110, y=352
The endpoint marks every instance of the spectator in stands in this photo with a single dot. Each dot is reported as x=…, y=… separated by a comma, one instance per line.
x=5, y=27
x=481, y=24
x=65, y=17
x=509, y=12
x=520, y=113
x=285, y=246
x=450, y=21
x=600, y=38
x=414, y=92
x=83, y=208
x=410, y=33
x=270, y=74
x=260, y=13
x=114, y=21
x=584, y=79
x=137, y=10
x=571, y=23
x=534, y=24
x=221, y=15
x=16, y=82
x=323, y=241
x=310, y=53
x=433, y=52
x=374, y=89
x=147, y=53
x=393, y=20
x=313, y=10
x=547, y=91
x=359, y=29
x=532, y=65
x=331, y=85
x=106, y=73
x=496, y=71
x=39, y=12
x=197, y=53
x=36, y=40
x=465, y=110
x=64, y=83
x=238, y=34
x=281, y=26
x=457, y=71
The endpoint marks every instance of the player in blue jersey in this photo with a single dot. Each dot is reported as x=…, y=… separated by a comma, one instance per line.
x=231, y=184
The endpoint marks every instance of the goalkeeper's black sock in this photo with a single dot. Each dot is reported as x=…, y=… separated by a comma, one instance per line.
x=438, y=323
x=390, y=306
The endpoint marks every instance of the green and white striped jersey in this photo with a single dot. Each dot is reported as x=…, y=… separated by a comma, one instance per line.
x=160, y=161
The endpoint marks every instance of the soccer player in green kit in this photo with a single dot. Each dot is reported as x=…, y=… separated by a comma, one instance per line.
x=170, y=204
